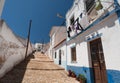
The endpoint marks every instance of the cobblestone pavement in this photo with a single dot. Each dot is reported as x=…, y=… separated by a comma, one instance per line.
x=37, y=68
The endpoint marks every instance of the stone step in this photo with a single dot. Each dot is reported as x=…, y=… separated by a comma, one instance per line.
x=34, y=56
x=38, y=76
x=39, y=66
x=39, y=54
x=41, y=60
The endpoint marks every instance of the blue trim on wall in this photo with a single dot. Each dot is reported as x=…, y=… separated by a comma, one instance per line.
x=83, y=70
x=112, y=75
x=117, y=9
x=117, y=6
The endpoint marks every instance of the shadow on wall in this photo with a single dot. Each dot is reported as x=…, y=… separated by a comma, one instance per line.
x=16, y=75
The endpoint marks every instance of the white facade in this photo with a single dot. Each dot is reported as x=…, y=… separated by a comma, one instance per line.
x=108, y=40
x=52, y=41
x=60, y=56
x=58, y=45
x=107, y=28
x=46, y=48
x=51, y=50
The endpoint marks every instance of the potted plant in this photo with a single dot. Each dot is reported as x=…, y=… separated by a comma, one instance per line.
x=71, y=73
x=81, y=78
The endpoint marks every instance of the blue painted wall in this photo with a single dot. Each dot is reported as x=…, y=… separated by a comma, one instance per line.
x=82, y=70
x=112, y=75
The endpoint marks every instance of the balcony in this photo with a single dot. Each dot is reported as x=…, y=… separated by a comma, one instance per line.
x=99, y=9
x=95, y=13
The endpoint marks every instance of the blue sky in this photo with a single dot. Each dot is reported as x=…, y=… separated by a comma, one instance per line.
x=17, y=14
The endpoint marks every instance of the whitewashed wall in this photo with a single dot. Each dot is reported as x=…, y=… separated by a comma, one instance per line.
x=7, y=33
x=106, y=28
x=63, y=55
x=12, y=51
x=109, y=29
x=111, y=42
x=76, y=10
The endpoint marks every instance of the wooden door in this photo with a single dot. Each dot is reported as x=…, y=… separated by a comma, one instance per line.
x=59, y=57
x=98, y=62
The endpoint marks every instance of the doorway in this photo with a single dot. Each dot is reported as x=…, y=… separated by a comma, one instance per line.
x=59, y=57
x=98, y=62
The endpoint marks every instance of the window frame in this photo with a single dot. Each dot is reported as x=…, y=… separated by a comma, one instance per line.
x=73, y=55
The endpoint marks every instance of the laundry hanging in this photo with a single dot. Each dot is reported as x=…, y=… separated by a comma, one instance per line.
x=79, y=27
x=72, y=27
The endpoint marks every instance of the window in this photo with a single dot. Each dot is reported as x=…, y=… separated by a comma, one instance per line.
x=72, y=20
x=73, y=54
x=89, y=4
x=55, y=55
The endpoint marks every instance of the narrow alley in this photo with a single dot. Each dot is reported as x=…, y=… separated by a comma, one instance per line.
x=59, y=41
x=37, y=68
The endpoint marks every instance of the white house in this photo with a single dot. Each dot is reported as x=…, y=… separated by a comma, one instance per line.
x=52, y=41
x=93, y=42
x=46, y=48
x=59, y=45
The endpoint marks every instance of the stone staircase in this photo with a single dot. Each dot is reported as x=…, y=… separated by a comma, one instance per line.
x=37, y=68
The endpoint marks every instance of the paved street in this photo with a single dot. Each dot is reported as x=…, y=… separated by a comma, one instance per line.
x=37, y=68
